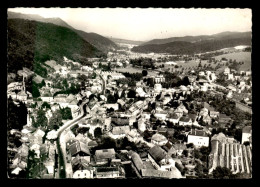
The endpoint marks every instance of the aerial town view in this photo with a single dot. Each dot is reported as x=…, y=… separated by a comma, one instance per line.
x=121, y=93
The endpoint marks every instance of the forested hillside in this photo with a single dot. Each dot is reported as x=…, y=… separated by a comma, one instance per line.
x=30, y=42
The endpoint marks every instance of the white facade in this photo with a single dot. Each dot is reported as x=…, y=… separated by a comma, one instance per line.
x=81, y=174
x=245, y=137
x=198, y=140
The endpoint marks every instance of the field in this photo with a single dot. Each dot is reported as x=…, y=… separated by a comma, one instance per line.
x=239, y=57
x=131, y=69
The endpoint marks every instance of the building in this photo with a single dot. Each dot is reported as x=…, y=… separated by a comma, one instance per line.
x=157, y=156
x=78, y=148
x=107, y=172
x=82, y=174
x=159, y=79
x=185, y=120
x=159, y=139
x=198, y=138
x=120, y=130
x=133, y=136
x=234, y=156
x=104, y=155
x=247, y=134
x=137, y=162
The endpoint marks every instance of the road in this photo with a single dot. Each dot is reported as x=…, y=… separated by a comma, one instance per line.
x=61, y=144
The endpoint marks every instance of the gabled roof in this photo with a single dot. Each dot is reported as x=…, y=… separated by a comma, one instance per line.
x=157, y=153
x=175, y=173
x=79, y=163
x=185, y=119
x=198, y=133
x=172, y=116
x=78, y=147
x=137, y=161
x=117, y=130
x=105, y=153
x=158, y=137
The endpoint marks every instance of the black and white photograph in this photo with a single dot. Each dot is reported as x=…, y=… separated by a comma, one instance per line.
x=129, y=93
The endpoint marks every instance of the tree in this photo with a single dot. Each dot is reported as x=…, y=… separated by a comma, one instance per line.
x=131, y=94
x=66, y=113
x=222, y=173
x=185, y=153
x=17, y=115
x=41, y=119
x=111, y=99
x=45, y=105
x=35, y=91
x=55, y=121
x=97, y=132
x=65, y=83
x=185, y=81
x=144, y=72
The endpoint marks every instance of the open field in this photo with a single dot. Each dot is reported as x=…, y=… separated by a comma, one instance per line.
x=239, y=57
x=131, y=69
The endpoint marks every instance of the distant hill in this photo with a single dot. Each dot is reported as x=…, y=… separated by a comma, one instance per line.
x=100, y=42
x=132, y=42
x=193, y=39
x=30, y=42
x=188, y=47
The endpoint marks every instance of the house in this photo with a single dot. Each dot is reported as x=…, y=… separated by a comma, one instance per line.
x=152, y=173
x=39, y=133
x=82, y=174
x=104, y=155
x=137, y=162
x=133, y=136
x=206, y=119
x=185, y=120
x=198, y=138
x=193, y=118
x=157, y=156
x=80, y=163
x=246, y=134
x=142, y=124
x=213, y=114
x=115, y=106
x=226, y=71
x=173, y=117
x=159, y=79
x=179, y=148
x=120, y=130
x=78, y=148
x=159, y=139
x=161, y=114
x=107, y=172
x=162, y=130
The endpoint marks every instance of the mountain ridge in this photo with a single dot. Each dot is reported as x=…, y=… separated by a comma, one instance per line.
x=198, y=38
x=31, y=42
x=100, y=42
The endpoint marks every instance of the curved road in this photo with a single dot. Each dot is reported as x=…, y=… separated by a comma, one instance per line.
x=61, y=144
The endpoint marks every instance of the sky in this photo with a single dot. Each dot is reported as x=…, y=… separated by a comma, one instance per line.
x=150, y=23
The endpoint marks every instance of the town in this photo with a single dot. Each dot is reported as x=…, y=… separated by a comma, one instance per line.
x=97, y=122
x=83, y=106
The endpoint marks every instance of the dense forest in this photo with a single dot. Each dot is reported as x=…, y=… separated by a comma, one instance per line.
x=31, y=42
